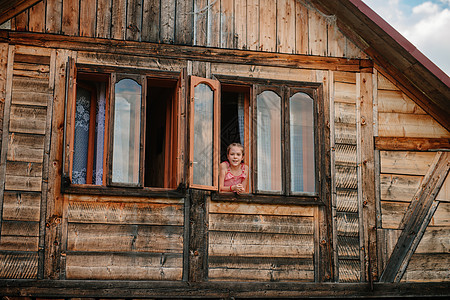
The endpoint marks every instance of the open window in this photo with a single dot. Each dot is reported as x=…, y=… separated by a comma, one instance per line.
x=123, y=129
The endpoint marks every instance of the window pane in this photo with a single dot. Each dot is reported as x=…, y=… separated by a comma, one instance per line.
x=203, y=135
x=127, y=120
x=302, y=143
x=268, y=130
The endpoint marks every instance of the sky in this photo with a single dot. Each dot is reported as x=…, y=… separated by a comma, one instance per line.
x=426, y=24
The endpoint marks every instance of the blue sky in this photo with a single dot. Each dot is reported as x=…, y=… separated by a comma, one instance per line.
x=426, y=24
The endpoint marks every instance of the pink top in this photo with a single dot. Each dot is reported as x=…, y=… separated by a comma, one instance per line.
x=231, y=179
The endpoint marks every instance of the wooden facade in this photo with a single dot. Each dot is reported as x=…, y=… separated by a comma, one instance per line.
x=380, y=211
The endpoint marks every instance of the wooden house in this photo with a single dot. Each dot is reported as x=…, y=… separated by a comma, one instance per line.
x=115, y=115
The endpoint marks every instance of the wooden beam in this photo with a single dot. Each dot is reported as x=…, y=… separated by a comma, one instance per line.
x=413, y=224
x=11, y=8
x=179, y=289
x=187, y=52
x=411, y=144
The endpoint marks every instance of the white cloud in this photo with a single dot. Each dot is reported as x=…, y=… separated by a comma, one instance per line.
x=426, y=24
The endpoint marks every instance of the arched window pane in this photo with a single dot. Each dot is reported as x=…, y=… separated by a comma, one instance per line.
x=302, y=143
x=268, y=131
x=203, y=135
x=127, y=120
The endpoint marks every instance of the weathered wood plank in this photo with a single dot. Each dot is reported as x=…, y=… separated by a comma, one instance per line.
x=399, y=187
x=134, y=20
x=261, y=223
x=26, y=119
x=120, y=199
x=70, y=17
x=440, y=217
x=345, y=133
x=18, y=265
x=20, y=228
x=347, y=200
x=347, y=224
x=184, y=22
x=167, y=21
x=260, y=244
x=150, y=21
x=125, y=213
x=118, y=17
x=444, y=193
x=410, y=125
x=36, y=20
x=426, y=268
x=103, y=25
x=301, y=29
x=385, y=84
x=345, y=77
x=200, y=22
x=397, y=102
x=53, y=16
x=122, y=238
x=336, y=41
x=345, y=92
x=387, y=239
x=197, y=244
x=253, y=24
x=405, y=162
x=349, y=271
x=23, y=183
x=435, y=240
x=267, y=25
x=260, y=269
x=317, y=33
x=392, y=213
x=344, y=113
x=258, y=209
x=411, y=144
x=19, y=243
x=285, y=10
x=27, y=148
x=21, y=206
x=105, y=266
x=227, y=24
x=20, y=22
x=240, y=24
x=348, y=248
x=213, y=36
x=345, y=155
x=346, y=177
x=88, y=18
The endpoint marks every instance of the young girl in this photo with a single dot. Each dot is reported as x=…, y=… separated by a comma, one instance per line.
x=233, y=176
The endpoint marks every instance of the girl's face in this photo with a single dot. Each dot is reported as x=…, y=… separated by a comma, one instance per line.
x=235, y=156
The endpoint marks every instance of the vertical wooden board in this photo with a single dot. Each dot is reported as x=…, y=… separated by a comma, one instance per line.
x=227, y=24
x=70, y=17
x=87, y=18
x=3, y=68
x=184, y=27
x=118, y=19
x=253, y=24
x=37, y=17
x=317, y=37
x=336, y=41
x=20, y=22
x=53, y=16
x=200, y=22
x=406, y=162
x=286, y=26
x=444, y=193
x=150, y=21
x=134, y=20
x=18, y=265
x=301, y=28
x=103, y=26
x=213, y=32
x=167, y=29
x=267, y=25
x=240, y=24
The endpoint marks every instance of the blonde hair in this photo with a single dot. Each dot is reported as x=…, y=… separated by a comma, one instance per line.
x=236, y=145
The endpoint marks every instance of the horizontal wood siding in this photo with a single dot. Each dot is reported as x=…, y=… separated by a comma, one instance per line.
x=249, y=242
x=283, y=26
x=28, y=118
x=111, y=239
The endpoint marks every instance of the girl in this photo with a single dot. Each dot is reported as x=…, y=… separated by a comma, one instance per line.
x=233, y=176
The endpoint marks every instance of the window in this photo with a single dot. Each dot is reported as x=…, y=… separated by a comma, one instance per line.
x=123, y=129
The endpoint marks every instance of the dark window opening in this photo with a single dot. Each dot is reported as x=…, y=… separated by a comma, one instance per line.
x=159, y=160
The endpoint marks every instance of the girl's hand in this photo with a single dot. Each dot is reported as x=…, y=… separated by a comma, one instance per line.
x=238, y=188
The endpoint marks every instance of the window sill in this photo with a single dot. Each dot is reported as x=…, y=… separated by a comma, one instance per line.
x=267, y=199
x=86, y=189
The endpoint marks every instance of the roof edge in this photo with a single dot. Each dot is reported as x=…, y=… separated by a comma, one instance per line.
x=402, y=41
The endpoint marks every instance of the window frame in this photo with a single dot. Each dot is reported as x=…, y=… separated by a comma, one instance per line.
x=315, y=91
x=108, y=187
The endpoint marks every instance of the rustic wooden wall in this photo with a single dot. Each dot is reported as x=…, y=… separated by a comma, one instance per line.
x=284, y=26
x=401, y=177
x=25, y=145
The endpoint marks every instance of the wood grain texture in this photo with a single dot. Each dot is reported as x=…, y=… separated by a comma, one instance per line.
x=53, y=16
x=167, y=21
x=411, y=144
x=301, y=29
x=227, y=24
x=70, y=18
x=286, y=31
x=37, y=17
x=267, y=25
x=317, y=34
x=88, y=17
x=405, y=162
x=444, y=193
x=200, y=22
x=18, y=265
x=240, y=24
x=118, y=17
x=426, y=268
x=26, y=148
x=103, y=24
x=399, y=187
x=26, y=119
x=116, y=266
x=258, y=209
x=410, y=125
x=134, y=20
x=253, y=24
